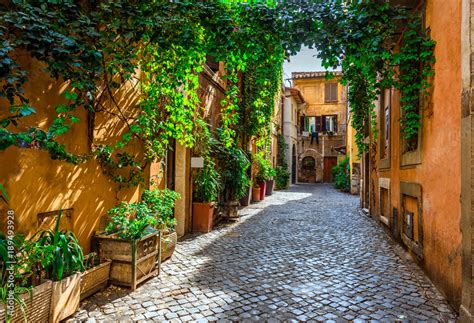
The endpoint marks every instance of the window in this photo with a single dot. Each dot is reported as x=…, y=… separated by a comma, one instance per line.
x=330, y=122
x=384, y=115
x=330, y=92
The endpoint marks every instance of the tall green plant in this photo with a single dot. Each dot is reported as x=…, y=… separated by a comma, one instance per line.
x=207, y=182
x=59, y=251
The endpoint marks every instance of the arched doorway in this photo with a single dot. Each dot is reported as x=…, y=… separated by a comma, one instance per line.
x=308, y=169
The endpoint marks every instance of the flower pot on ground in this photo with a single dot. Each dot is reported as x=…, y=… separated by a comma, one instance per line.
x=161, y=204
x=133, y=261
x=132, y=243
x=168, y=245
x=247, y=198
x=65, y=297
x=233, y=164
x=59, y=254
x=203, y=217
x=36, y=305
x=270, y=186
x=256, y=196
x=264, y=172
x=263, y=189
x=270, y=181
x=96, y=276
x=205, y=191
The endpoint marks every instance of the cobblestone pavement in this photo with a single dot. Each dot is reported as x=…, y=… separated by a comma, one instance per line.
x=303, y=254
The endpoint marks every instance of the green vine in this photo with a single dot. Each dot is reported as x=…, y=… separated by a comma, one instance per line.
x=103, y=51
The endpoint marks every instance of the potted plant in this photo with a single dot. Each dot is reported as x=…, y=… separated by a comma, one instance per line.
x=206, y=189
x=96, y=275
x=161, y=204
x=263, y=174
x=256, y=192
x=132, y=243
x=61, y=258
x=233, y=165
x=270, y=181
x=31, y=299
x=247, y=198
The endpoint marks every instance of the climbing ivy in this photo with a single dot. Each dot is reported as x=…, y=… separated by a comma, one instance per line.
x=155, y=50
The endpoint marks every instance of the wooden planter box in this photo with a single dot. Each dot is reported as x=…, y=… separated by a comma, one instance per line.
x=38, y=305
x=133, y=262
x=65, y=297
x=95, y=279
x=168, y=244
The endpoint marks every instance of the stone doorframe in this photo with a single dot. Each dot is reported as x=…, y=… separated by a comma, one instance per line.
x=467, y=160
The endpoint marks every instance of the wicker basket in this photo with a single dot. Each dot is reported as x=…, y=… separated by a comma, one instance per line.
x=37, y=307
x=95, y=279
x=168, y=244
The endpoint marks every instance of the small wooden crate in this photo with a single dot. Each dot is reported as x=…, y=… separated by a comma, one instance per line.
x=133, y=262
x=37, y=308
x=95, y=279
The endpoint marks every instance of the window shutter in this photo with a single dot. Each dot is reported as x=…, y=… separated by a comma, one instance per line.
x=335, y=123
x=327, y=92
x=302, y=123
x=319, y=124
x=334, y=92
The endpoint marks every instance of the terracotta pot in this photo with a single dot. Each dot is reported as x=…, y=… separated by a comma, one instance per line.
x=246, y=199
x=256, y=194
x=168, y=244
x=263, y=189
x=203, y=217
x=270, y=184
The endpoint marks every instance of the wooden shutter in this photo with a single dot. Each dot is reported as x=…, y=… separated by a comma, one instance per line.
x=327, y=92
x=330, y=92
x=319, y=124
x=302, y=123
x=335, y=123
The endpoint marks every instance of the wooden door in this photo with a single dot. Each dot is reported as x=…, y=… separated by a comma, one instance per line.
x=329, y=163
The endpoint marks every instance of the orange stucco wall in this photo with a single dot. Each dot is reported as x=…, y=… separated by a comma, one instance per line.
x=439, y=172
x=38, y=184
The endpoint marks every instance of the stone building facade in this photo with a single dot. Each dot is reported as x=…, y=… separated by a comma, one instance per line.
x=321, y=125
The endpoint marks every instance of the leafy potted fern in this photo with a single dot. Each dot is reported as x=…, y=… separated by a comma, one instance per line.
x=60, y=256
x=264, y=173
x=270, y=181
x=206, y=188
x=132, y=243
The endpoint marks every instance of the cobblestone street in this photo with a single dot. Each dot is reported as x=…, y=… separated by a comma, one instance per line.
x=303, y=254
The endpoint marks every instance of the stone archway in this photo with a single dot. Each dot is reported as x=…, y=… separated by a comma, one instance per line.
x=310, y=167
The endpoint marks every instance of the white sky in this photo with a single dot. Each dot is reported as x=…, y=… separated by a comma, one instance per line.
x=304, y=61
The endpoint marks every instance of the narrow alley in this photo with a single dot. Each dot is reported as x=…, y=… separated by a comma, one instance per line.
x=306, y=253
